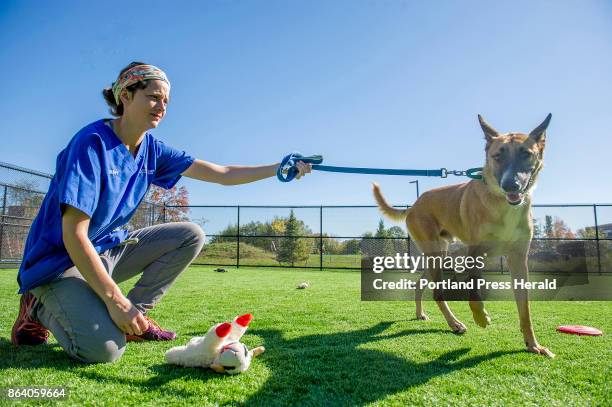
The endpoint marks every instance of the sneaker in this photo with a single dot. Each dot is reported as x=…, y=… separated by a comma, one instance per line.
x=153, y=333
x=27, y=330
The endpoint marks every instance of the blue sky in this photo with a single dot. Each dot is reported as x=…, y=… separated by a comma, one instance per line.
x=365, y=83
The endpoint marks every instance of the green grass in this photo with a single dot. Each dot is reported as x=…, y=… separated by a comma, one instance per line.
x=326, y=347
x=225, y=253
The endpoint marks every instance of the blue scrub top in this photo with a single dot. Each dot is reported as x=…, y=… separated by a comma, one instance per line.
x=98, y=175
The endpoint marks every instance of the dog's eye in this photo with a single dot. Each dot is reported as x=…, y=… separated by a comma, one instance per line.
x=496, y=157
x=525, y=154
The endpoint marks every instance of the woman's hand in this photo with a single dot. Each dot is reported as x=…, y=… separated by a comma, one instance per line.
x=126, y=316
x=303, y=169
x=237, y=174
x=75, y=226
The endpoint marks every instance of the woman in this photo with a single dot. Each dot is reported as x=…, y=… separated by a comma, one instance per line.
x=76, y=251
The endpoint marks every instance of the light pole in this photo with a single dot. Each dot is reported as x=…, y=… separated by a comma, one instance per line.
x=417, y=186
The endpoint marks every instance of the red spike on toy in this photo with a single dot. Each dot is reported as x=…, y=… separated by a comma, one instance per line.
x=223, y=330
x=244, y=320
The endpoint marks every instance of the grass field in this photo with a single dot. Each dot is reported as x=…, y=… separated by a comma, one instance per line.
x=326, y=347
x=225, y=253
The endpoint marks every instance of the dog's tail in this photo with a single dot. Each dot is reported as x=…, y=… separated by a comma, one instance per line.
x=385, y=208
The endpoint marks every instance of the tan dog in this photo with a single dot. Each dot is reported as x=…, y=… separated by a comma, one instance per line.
x=492, y=216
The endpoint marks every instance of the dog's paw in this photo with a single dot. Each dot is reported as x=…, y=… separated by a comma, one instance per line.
x=422, y=317
x=540, y=350
x=457, y=327
x=480, y=314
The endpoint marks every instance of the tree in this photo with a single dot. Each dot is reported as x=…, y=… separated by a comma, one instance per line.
x=352, y=246
x=365, y=246
x=24, y=200
x=380, y=230
x=548, y=226
x=331, y=245
x=278, y=225
x=176, y=198
x=561, y=230
x=399, y=241
x=556, y=228
x=537, y=229
x=161, y=205
x=22, y=205
x=226, y=235
x=292, y=248
x=396, y=232
x=252, y=233
x=589, y=233
x=384, y=246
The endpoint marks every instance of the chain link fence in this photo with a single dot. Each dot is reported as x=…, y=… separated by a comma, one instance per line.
x=21, y=194
x=567, y=237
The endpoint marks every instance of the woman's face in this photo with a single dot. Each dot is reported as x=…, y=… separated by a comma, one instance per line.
x=147, y=107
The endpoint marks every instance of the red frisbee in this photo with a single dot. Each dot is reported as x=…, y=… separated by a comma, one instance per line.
x=579, y=330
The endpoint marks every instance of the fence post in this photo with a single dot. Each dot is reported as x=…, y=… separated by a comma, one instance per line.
x=238, y=240
x=321, y=237
x=2, y=222
x=409, y=246
x=597, y=239
x=164, y=213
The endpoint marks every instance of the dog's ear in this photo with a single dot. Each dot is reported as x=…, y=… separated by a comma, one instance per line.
x=539, y=133
x=489, y=132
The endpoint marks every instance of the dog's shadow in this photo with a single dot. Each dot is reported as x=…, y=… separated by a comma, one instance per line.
x=333, y=369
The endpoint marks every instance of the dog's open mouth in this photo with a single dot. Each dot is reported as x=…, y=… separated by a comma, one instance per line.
x=514, y=198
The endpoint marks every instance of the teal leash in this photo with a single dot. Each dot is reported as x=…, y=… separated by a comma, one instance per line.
x=287, y=170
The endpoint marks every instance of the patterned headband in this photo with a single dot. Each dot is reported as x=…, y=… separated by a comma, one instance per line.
x=136, y=74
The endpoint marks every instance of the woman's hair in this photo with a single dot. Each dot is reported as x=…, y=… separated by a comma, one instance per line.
x=117, y=110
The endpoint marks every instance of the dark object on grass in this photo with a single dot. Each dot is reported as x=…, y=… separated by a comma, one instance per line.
x=220, y=270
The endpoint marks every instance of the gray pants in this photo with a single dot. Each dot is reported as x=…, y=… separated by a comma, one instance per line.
x=79, y=319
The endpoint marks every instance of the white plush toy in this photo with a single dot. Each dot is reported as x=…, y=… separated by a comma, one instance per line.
x=220, y=349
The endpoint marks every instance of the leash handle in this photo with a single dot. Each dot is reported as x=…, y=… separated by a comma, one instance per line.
x=287, y=170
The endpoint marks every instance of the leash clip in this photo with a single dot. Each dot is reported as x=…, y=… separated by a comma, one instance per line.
x=445, y=173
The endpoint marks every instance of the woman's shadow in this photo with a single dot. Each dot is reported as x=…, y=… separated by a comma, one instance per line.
x=332, y=369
